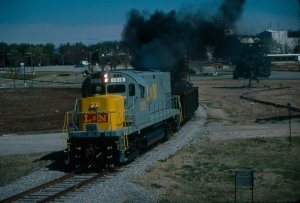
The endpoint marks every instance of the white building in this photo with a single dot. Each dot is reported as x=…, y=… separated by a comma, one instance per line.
x=280, y=41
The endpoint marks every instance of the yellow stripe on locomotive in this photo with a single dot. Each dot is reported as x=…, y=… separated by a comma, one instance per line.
x=105, y=112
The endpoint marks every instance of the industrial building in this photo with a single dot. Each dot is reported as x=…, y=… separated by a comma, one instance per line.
x=280, y=42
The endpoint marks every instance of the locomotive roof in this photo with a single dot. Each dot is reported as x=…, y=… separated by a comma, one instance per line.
x=137, y=75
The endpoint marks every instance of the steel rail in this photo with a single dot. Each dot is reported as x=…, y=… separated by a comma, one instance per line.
x=72, y=188
x=58, y=194
x=36, y=189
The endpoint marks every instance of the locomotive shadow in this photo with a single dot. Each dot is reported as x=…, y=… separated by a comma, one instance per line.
x=57, y=161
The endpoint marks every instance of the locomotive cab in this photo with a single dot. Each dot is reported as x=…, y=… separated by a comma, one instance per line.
x=104, y=83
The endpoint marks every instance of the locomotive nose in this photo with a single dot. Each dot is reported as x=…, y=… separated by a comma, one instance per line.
x=104, y=112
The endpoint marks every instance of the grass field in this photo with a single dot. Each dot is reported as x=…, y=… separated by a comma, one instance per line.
x=13, y=167
x=204, y=172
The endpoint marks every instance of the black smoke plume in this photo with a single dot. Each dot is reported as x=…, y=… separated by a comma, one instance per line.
x=165, y=41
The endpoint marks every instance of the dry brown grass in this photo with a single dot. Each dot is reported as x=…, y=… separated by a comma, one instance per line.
x=204, y=172
x=225, y=95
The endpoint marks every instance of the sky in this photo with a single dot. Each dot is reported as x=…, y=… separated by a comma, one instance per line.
x=93, y=21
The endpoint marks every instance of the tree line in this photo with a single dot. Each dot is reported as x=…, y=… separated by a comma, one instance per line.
x=250, y=58
x=32, y=55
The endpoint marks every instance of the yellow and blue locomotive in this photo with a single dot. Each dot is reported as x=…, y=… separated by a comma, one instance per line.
x=120, y=114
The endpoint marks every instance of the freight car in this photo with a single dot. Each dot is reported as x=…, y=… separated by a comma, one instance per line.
x=120, y=114
x=188, y=96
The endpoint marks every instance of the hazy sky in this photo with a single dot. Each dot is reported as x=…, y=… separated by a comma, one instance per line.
x=92, y=21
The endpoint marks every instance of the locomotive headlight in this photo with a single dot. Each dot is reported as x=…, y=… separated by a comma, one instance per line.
x=106, y=78
x=93, y=106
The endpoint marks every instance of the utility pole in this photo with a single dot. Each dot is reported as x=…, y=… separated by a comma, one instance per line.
x=3, y=58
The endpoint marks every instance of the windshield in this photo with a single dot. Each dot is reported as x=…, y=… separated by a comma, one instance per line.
x=116, y=88
x=98, y=89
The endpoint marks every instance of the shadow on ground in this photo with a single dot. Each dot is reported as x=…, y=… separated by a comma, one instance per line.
x=57, y=161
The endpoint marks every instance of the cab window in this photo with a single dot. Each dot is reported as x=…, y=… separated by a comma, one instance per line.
x=116, y=88
x=97, y=89
x=131, y=88
x=100, y=89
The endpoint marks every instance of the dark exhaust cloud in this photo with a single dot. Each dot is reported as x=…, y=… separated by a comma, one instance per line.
x=165, y=41
x=230, y=12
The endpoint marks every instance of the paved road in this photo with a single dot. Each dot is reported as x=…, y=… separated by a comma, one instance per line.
x=285, y=75
x=275, y=75
x=26, y=144
x=57, y=69
x=68, y=68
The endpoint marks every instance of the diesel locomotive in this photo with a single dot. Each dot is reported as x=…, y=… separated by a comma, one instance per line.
x=121, y=113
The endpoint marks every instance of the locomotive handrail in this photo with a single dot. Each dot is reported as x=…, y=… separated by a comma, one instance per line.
x=171, y=104
x=76, y=127
x=64, y=131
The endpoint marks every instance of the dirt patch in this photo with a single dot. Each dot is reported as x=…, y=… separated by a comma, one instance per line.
x=35, y=109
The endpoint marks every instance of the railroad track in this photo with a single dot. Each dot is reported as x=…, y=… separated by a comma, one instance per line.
x=55, y=189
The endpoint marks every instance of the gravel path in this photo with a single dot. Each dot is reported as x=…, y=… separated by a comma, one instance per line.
x=118, y=187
